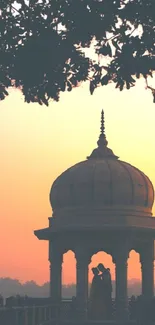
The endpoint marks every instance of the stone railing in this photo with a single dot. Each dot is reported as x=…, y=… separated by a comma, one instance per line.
x=49, y=313
x=35, y=315
x=38, y=315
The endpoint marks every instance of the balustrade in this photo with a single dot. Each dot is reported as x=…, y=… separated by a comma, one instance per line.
x=44, y=315
x=37, y=315
x=32, y=315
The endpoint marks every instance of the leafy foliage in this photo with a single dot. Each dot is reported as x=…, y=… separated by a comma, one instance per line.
x=43, y=42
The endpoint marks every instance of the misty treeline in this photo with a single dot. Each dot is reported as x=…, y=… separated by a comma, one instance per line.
x=43, y=43
x=11, y=287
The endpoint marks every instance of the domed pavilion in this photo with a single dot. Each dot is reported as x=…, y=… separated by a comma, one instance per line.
x=101, y=204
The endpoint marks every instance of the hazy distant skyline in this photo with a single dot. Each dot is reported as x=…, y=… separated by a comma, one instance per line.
x=12, y=287
x=38, y=143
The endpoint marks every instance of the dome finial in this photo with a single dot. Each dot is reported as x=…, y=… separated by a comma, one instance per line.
x=102, y=128
x=102, y=138
x=102, y=151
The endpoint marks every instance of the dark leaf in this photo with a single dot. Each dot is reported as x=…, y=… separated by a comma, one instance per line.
x=91, y=87
x=105, y=80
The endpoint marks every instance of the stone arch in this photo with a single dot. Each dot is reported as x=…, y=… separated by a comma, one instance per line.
x=102, y=256
x=69, y=274
x=134, y=273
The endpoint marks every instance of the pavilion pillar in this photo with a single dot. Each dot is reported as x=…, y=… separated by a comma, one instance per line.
x=82, y=262
x=147, y=268
x=120, y=259
x=56, y=259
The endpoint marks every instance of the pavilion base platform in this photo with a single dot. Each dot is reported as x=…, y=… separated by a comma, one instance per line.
x=91, y=322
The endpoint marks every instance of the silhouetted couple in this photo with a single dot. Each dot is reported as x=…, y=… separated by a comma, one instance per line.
x=100, y=293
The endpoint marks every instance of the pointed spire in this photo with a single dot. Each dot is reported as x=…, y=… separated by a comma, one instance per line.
x=102, y=128
x=102, y=151
x=102, y=138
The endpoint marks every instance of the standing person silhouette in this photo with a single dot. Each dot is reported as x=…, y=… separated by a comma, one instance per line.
x=96, y=300
x=107, y=289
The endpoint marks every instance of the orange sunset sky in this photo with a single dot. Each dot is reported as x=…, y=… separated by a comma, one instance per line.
x=38, y=143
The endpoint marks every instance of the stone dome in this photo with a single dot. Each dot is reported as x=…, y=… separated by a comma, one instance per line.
x=102, y=185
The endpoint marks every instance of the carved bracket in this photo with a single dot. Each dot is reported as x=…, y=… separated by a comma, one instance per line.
x=120, y=254
x=83, y=255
